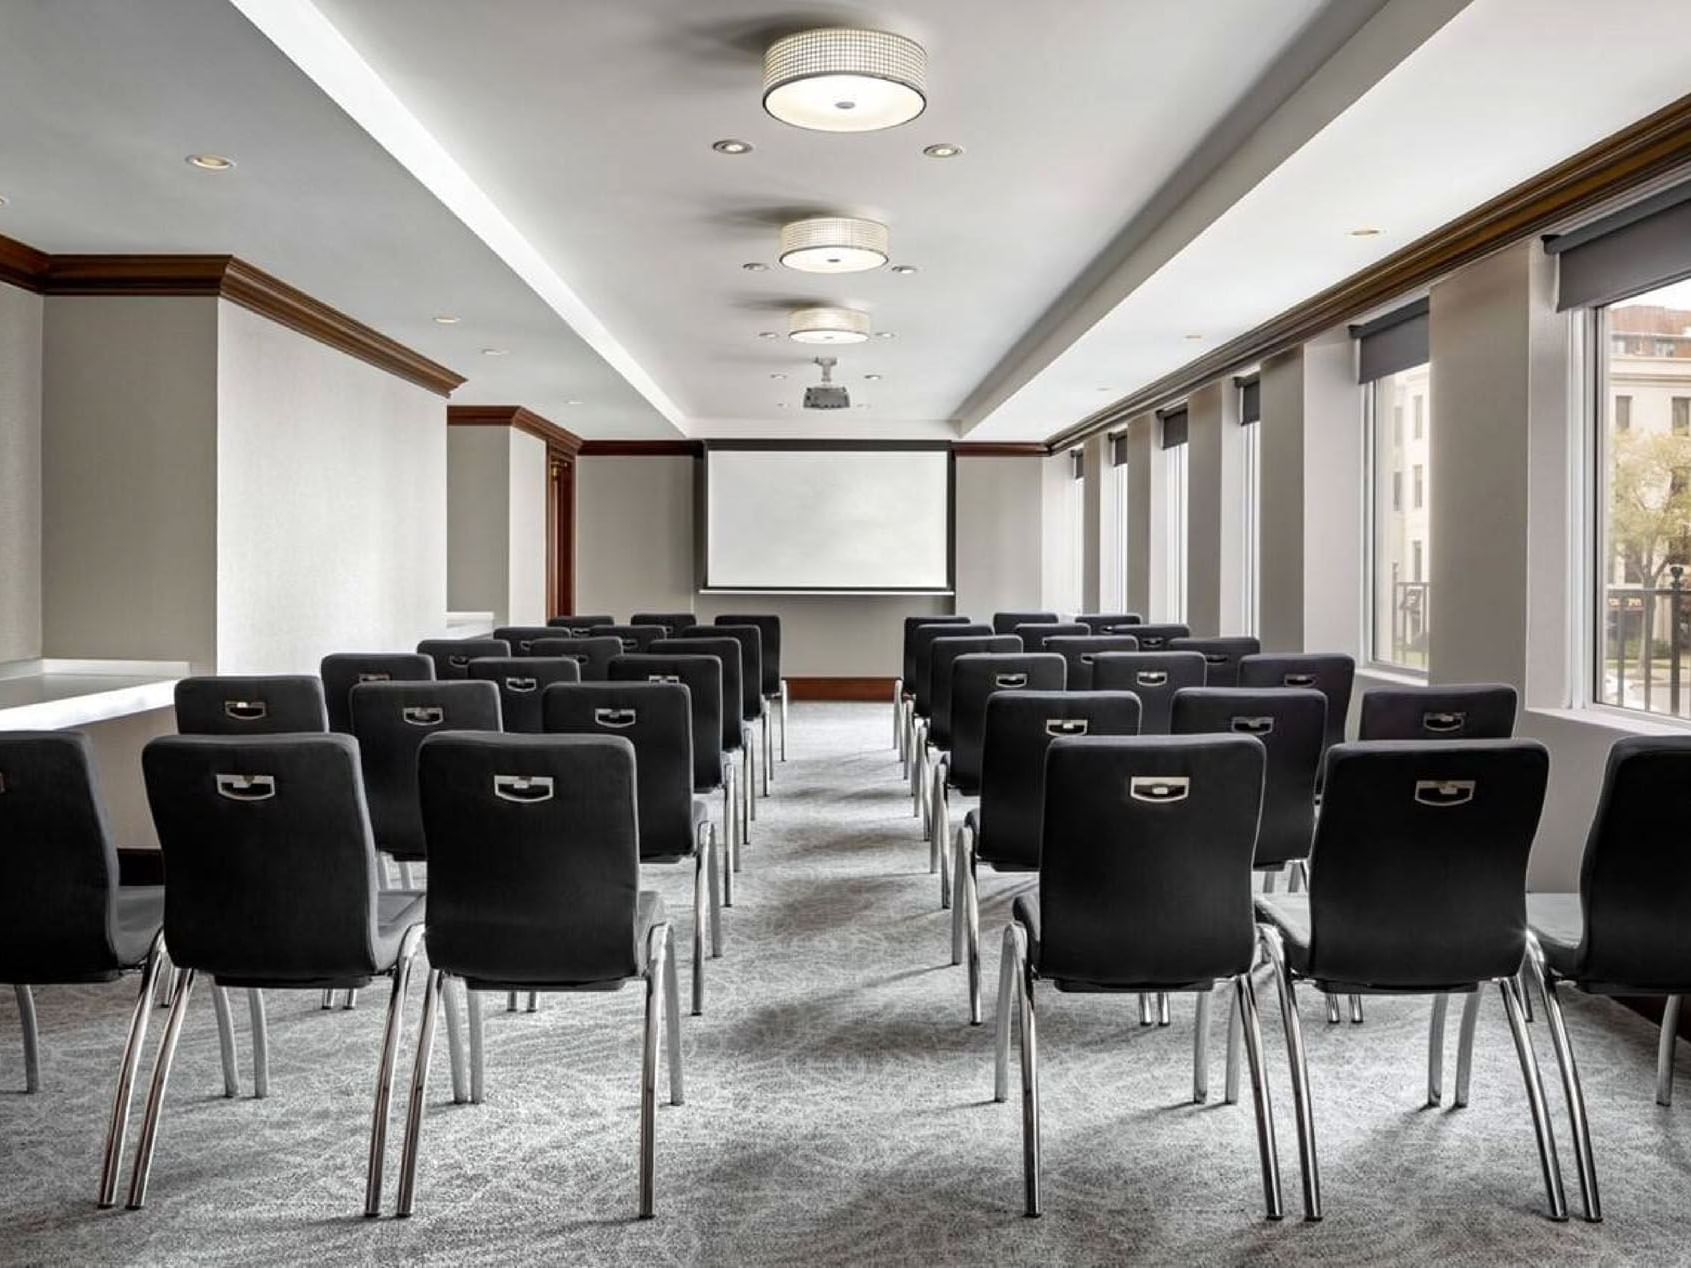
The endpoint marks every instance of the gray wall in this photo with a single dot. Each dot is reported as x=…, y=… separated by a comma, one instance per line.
x=20, y=474
x=477, y=518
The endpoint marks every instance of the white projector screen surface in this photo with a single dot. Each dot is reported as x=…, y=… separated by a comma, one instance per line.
x=828, y=519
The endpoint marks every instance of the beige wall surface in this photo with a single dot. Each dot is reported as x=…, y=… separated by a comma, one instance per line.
x=527, y=477
x=478, y=489
x=20, y=474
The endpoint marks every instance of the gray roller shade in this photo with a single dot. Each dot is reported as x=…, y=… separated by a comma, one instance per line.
x=1077, y=463
x=1174, y=426
x=1636, y=249
x=1118, y=449
x=1391, y=343
x=1250, y=398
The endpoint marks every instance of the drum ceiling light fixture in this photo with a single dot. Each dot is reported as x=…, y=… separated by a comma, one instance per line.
x=838, y=79
x=828, y=325
x=833, y=244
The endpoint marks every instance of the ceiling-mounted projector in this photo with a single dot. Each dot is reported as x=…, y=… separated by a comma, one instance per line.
x=826, y=395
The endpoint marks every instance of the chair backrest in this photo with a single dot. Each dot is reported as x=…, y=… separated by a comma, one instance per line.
x=975, y=679
x=702, y=676
x=769, y=630
x=1145, y=859
x=1006, y=622
x=1221, y=656
x=592, y=654
x=1034, y=633
x=452, y=656
x=522, y=681
x=1020, y=726
x=911, y=625
x=267, y=845
x=727, y=651
x=673, y=622
x=1635, y=879
x=657, y=719
x=342, y=671
x=534, y=858
x=391, y=720
x=1478, y=712
x=522, y=638
x=1290, y=723
x=578, y=626
x=750, y=639
x=1330, y=673
x=256, y=704
x=922, y=640
x=945, y=653
x=1152, y=676
x=1155, y=638
x=634, y=638
x=1419, y=867
x=1109, y=622
x=1080, y=651
x=58, y=867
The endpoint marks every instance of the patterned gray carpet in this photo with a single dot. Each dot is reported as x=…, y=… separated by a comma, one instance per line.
x=839, y=1108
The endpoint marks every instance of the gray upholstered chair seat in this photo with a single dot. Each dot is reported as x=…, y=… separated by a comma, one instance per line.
x=648, y=911
x=1024, y=909
x=1289, y=913
x=140, y=912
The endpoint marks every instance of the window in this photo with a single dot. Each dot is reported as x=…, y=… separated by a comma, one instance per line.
x=1397, y=426
x=1400, y=586
x=1118, y=477
x=1643, y=502
x=1174, y=512
x=1397, y=490
x=1250, y=414
x=1420, y=417
x=1420, y=486
x=1415, y=572
x=1077, y=529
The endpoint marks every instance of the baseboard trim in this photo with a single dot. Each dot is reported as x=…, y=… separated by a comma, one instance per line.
x=877, y=689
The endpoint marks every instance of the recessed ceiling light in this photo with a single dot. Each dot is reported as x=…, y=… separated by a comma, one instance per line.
x=1366, y=233
x=496, y=352
x=904, y=270
x=943, y=150
x=1194, y=336
x=844, y=80
x=833, y=244
x=445, y=319
x=211, y=162
x=780, y=405
x=3, y=200
x=1106, y=389
x=885, y=334
x=828, y=325
x=752, y=266
x=767, y=334
x=728, y=145
x=572, y=401
x=777, y=376
x=873, y=378
x=862, y=406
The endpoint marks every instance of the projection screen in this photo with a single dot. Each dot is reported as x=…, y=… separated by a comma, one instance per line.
x=827, y=518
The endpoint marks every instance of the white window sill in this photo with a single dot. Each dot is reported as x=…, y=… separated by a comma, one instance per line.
x=1396, y=677
x=1622, y=721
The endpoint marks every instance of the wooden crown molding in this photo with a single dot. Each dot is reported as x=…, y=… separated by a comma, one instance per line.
x=226, y=277
x=557, y=438
x=642, y=449
x=1006, y=449
x=1651, y=148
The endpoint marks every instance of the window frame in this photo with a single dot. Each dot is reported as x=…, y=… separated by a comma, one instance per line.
x=1374, y=660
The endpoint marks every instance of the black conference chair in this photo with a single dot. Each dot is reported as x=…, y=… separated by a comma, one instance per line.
x=64, y=917
x=1330, y=673
x=1105, y=623
x=944, y=655
x=1080, y=651
x=535, y=886
x=250, y=705
x=1152, y=676
x=712, y=771
x=1034, y=633
x=273, y=884
x=452, y=656
x=752, y=710
x=774, y=685
x=342, y=671
x=1221, y=656
x=1003, y=831
x=922, y=701
x=1290, y=723
x=579, y=626
x=522, y=682
x=673, y=622
x=522, y=638
x=736, y=733
x=975, y=678
x=1625, y=931
x=592, y=654
x=1470, y=712
x=1417, y=887
x=634, y=638
x=657, y=719
x=904, y=686
x=1156, y=638
x=1144, y=886
x=1006, y=622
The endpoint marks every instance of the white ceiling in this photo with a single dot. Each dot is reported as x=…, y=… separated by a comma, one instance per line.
x=1135, y=172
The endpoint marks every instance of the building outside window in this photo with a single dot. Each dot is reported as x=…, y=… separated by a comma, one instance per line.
x=1401, y=587
x=1174, y=508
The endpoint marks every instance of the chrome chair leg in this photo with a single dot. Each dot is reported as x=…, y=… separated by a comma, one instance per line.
x=1268, y=1151
x=897, y=702
x=970, y=901
x=454, y=1041
x=672, y=1019
x=1030, y=1079
x=1298, y=1060
x=478, y=1046
x=1521, y=980
x=1664, y=1051
x=155, y=1095
x=226, y=1041
x=1268, y=882
x=1510, y=990
x=328, y=1001
x=432, y=1002
x=729, y=862
x=1435, y=1050
x=1465, y=1047
x=699, y=920
x=1007, y=970
x=533, y=1002
x=1333, y=1017
x=1235, y=1039
x=118, y=1128
x=713, y=878
x=1163, y=1018
x=1572, y=1090
x=649, y=1066
x=768, y=753
x=1145, y=1016
x=934, y=823
x=391, y=1036
x=785, y=695
x=31, y=1038
x=260, y=1028
x=1295, y=877
x=166, y=980
x=952, y=865
x=1356, y=1010
x=1201, y=1050
x=405, y=878
x=351, y=1001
